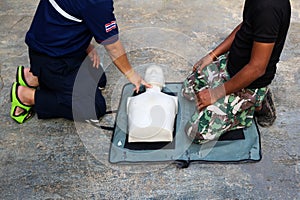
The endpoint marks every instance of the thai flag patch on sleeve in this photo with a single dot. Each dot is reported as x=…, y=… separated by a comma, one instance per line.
x=110, y=26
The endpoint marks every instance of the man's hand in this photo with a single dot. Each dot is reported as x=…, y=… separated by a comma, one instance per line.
x=209, y=96
x=137, y=80
x=202, y=63
x=93, y=54
x=118, y=56
x=204, y=99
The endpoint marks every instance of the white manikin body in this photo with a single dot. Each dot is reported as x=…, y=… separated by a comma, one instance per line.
x=151, y=115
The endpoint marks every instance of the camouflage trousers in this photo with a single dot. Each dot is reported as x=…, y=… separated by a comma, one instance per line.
x=228, y=113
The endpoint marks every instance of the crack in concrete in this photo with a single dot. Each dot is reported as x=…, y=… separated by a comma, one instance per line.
x=1, y=80
x=17, y=22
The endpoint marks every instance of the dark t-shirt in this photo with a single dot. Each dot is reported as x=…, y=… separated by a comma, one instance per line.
x=265, y=21
x=66, y=27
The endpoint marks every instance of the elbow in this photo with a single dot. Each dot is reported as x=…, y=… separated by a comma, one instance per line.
x=260, y=72
x=257, y=70
x=115, y=50
x=111, y=47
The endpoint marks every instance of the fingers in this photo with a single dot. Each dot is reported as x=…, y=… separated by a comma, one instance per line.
x=201, y=107
x=138, y=83
x=147, y=85
x=141, y=82
x=199, y=66
x=97, y=63
x=202, y=63
x=96, y=60
x=203, y=99
x=200, y=102
x=137, y=88
x=135, y=79
x=195, y=67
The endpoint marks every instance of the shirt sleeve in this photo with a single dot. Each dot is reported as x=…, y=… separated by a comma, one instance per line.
x=101, y=21
x=266, y=25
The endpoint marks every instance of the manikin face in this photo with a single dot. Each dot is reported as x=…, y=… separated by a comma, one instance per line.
x=154, y=75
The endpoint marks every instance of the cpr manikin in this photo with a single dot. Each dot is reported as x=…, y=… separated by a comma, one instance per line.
x=151, y=115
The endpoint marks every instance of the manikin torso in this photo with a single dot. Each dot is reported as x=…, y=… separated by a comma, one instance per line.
x=151, y=115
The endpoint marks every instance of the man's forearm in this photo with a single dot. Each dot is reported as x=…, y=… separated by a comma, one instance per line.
x=118, y=56
x=241, y=80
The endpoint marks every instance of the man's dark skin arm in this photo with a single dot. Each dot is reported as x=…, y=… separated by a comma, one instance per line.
x=260, y=56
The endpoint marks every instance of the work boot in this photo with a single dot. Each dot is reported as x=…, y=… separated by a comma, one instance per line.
x=267, y=115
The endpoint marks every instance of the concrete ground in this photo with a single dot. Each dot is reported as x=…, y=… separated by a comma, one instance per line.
x=47, y=159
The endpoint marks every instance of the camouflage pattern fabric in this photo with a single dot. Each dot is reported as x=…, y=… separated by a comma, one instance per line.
x=228, y=113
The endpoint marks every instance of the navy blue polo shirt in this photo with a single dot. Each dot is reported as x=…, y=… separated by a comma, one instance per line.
x=66, y=27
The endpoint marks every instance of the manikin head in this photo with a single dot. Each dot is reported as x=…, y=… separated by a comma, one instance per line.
x=154, y=75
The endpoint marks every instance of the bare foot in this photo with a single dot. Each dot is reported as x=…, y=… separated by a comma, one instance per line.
x=30, y=78
x=26, y=96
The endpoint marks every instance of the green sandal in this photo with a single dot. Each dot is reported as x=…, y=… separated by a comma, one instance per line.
x=27, y=113
x=21, y=78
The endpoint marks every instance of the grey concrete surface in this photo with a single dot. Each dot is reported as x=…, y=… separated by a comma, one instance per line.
x=47, y=159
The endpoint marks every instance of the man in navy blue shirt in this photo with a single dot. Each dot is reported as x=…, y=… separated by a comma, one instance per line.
x=59, y=41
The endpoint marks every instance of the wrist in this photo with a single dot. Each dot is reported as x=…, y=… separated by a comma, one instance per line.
x=213, y=56
x=129, y=73
x=218, y=92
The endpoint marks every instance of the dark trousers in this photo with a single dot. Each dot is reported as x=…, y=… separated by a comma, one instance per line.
x=68, y=87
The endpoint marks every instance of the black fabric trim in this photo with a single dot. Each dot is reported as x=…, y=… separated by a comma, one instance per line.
x=152, y=145
x=237, y=134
